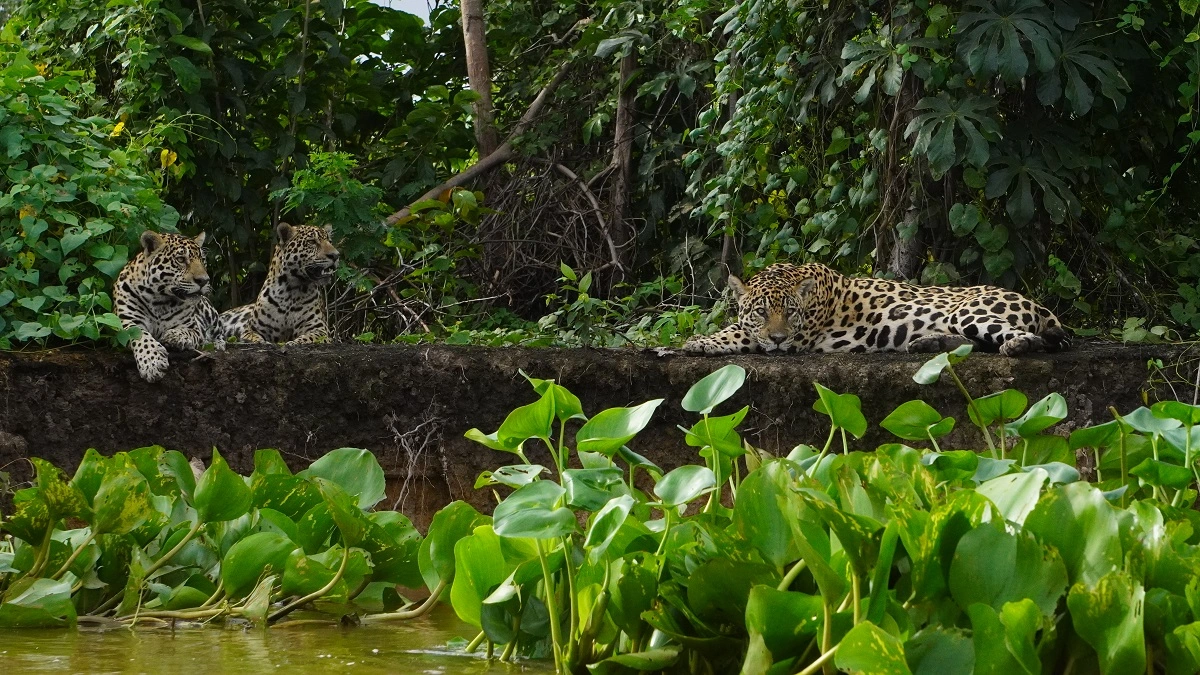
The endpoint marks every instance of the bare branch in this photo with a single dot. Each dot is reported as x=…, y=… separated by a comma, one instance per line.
x=502, y=154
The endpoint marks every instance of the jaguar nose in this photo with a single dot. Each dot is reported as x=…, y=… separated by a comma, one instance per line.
x=200, y=281
x=778, y=338
x=334, y=256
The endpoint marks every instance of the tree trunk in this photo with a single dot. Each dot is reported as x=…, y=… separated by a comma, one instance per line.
x=622, y=162
x=730, y=265
x=479, y=75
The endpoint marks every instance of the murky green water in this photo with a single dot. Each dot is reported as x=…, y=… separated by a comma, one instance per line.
x=417, y=646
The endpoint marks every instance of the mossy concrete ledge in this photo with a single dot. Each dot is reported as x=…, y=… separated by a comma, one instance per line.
x=411, y=404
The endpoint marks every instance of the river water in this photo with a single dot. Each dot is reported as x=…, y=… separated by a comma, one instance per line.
x=418, y=646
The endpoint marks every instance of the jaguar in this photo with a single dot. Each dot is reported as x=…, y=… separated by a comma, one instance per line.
x=812, y=308
x=163, y=292
x=290, y=307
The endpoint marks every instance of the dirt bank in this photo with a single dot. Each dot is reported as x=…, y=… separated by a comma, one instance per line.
x=411, y=405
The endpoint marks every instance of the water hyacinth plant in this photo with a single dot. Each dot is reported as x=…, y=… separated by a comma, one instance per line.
x=916, y=557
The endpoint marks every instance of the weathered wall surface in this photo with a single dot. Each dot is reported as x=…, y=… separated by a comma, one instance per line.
x=411, y=405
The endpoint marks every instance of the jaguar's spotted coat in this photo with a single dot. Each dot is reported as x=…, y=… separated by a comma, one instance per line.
x=811, y=308
x=290, y=308
x=162, y=292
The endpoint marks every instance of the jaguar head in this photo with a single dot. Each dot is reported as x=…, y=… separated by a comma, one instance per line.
x=307, y=252
x=176, y=264
x=770, y=312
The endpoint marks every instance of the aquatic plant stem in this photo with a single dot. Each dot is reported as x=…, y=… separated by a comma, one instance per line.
x=987, y=436
x=417, y=611
x=217, y=594
x=551, y=609
x=475, y=642
x=573, y=616
x=824, y=450
x=1124, y=462
x=856, y=594
x=178, y=547
x=819, y=663
x=43, y=554
x=826, y=633
x=791, y=575
x=337, y=576
x=74, y=554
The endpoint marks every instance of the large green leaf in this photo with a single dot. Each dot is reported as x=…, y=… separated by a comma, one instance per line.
x=786, y=620
x=860, y=535
x=996, y=32
x=290, y=495
x=1078, y=521
x=938, y=651
x=257, y=555
x=684, y=484
x=1155, y=472
x=867, y=648
x=633, y=588
x=993, y=567
x=844, y=409
x=1004, y=639
x=610, y=429
x=931, y=370
x=394, y=544
x=714, y=388
x=535, y=420
x=719, y=588
x=436, y=557
x=950, y=131
x=765, y=511
x=917, y=421
x=1045, y=413
x=63, y=499
x=719, y=433
x=1108, y=616
x=605, y=525
x=534, y=512
x=90, y=474
x=1015, y=494
x=566, y=405
x=221, y=494
x=591, y=489
x=123, y=500
x=1083, y=58
x=479, y=567
x=305, y=574
x=37, y=603
x=351, y=522
x=356, y=471
x=1002, y=405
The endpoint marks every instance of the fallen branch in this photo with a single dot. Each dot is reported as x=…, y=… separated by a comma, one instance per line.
x=502, y=154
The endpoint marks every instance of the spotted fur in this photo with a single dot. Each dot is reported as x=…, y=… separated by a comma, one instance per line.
x=290, y=308
x=811, y=308
x=162, y=291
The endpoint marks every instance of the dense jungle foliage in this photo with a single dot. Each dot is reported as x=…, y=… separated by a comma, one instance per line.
x=1045, y=145
x=913, y=558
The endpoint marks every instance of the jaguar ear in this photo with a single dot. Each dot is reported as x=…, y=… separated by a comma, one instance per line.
x=328, y=230
x=736, y=287
x=285, y=232
x=804, y=288
x=200, y=239
x=151, y=240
